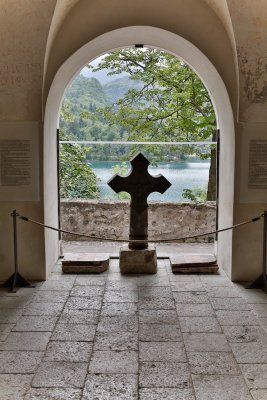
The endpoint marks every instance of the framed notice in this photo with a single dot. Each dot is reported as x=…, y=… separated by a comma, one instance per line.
x=254, y=168
x=19, y=161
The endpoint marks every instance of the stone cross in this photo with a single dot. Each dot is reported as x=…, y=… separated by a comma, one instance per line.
x=139, y=184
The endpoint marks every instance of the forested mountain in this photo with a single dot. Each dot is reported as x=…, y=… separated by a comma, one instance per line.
x=116, y=89
x=84, y=99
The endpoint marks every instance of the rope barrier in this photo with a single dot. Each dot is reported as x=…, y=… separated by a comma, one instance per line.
x=169, y=240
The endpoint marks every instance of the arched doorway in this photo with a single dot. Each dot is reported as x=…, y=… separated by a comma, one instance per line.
x=158, y=38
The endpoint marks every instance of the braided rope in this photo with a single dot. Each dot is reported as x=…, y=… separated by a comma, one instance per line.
x=168, y=240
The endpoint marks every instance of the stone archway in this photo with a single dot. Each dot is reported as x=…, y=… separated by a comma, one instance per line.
x=164, y=40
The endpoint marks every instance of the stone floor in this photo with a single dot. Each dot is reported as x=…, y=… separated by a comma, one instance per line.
x=150, y=337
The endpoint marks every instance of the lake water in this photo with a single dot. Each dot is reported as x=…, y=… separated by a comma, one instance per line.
x=182, y=175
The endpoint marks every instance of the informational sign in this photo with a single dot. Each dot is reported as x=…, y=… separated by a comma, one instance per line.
x=257, y=173
x=19, y=167
x=253, y=187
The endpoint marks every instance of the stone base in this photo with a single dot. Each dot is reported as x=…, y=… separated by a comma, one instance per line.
x=138, y=261
x=85, y=263
x=194, y=264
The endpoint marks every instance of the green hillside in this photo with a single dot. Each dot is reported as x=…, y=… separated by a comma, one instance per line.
x=117, y=88
x=81, y=119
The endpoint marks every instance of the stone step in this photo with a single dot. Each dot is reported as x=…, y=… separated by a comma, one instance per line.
x=193, y=263
x=89, y=263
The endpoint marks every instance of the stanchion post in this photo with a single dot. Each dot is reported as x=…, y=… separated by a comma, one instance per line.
x=14, y=214
x=264, y=252
x=15, y=279
x=261, y=281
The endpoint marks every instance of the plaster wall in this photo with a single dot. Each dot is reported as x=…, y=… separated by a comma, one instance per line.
x=193, y=20
x=250, y=30
x=24, y=27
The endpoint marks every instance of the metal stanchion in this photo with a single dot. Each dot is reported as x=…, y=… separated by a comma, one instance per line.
x=16, y=280
x=261, y=281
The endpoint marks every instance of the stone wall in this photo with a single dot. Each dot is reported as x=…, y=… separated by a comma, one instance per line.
x=111, y=219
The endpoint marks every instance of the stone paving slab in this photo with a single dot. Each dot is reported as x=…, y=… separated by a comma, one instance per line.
x=195, y=310
x=121, y=323
x=14, y=302
x=259, y=394
x=32, y=341
x=213, y=363
x=84, y=303
x=68, y=351
x=245, y=334
x=74, y=332
x=199, y=324
x=45, y=296
x=118, y=309
x=62, y=284
x=223, y=292
x=255, y=375
x=263, y=321
x=249, y=353
x=19, y=362
x=191, y=297
x=220, y=387
x=260, y=309
x=60, y=374
x=117, y=341
x=79, y=316
x=10, y=316
x=255, y=296
x=164, y=374
x=53, y=394
x=107, y=387
x=87, y=291
x=187, y=286
x=159, y=333
x=85, y=280
x=155, y=292
x=162, y=351
x=157, y=317
x=228, y=317
x=114, y=362
x=166, y=394
x=205, y=342
x=5, y=329
x=40, y=308
x=156, y=303
x=35, y=324
x=14, y=386
x=121, y=296
x=153, y=280
x=230, y=303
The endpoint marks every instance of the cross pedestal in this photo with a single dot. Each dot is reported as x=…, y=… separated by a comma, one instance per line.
x=138, y=257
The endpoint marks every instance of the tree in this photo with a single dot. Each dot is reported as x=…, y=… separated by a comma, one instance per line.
x=77, y=180
x=172, y=103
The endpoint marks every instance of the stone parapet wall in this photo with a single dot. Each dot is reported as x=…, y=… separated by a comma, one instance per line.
x=110, y=219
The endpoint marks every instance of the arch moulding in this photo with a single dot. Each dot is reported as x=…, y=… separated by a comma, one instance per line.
x=182, y=48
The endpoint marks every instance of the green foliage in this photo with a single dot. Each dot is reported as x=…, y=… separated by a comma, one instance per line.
x=77, y=180
x=121, y=169
x=198, y=194
x=172, y=104
x=153, y=97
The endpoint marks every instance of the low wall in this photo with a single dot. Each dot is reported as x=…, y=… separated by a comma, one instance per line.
x=111, y=219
